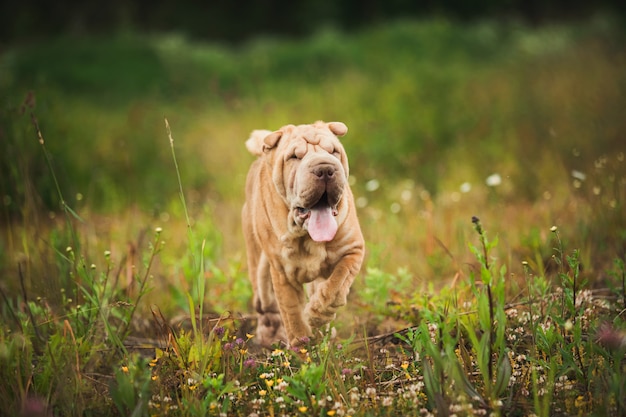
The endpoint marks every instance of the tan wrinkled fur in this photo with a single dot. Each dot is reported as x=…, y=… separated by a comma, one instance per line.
x=282, y=258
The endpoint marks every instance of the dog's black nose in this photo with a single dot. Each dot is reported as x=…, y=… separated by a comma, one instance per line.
x=324, y=172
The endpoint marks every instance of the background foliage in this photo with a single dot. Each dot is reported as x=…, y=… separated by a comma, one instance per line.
x=433, y=108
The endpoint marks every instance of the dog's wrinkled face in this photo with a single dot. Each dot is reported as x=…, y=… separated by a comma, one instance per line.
x=315, y=181
x=310, y=172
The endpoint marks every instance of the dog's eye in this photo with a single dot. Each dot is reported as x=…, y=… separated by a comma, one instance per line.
x=297, y=154
x=337, y=154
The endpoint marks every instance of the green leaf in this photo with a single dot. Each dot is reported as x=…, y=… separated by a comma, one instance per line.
x=465, y=383
x=431, y=384
x=503, y=375
x=192, y=313
x=72, y=212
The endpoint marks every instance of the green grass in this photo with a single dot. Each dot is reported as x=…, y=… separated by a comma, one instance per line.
x=124, y=290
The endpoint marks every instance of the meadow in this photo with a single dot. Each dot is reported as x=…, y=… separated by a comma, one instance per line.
x=487, y=162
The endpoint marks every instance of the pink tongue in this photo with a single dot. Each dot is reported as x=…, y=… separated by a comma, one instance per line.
x=322, y=224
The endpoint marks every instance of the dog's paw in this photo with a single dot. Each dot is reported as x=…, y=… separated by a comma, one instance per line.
x=318, y=314
x=323, y=305
x=270, y=330
x=328, y=298
x=319, y=321
x=297, y=342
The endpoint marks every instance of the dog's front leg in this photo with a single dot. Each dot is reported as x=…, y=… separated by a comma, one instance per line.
x=291, y=299
x=270, y=328
x=330, y=294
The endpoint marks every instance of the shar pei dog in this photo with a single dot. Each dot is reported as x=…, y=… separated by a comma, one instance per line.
x=300, y=226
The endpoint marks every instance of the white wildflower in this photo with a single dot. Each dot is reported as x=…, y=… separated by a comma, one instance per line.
x=581, y=176
x=493, y=180
x=372, y=185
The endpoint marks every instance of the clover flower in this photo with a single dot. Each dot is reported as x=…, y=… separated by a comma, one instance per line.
x=219, y=331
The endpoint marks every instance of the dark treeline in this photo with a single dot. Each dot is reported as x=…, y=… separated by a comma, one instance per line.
x=231, y=20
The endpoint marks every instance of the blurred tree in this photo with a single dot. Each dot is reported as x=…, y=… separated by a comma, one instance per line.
x=236, y=21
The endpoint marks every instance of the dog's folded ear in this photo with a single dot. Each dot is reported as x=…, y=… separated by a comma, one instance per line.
x=272, y=139
x=262, y=140
x=255, y=143
x=338, y=128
